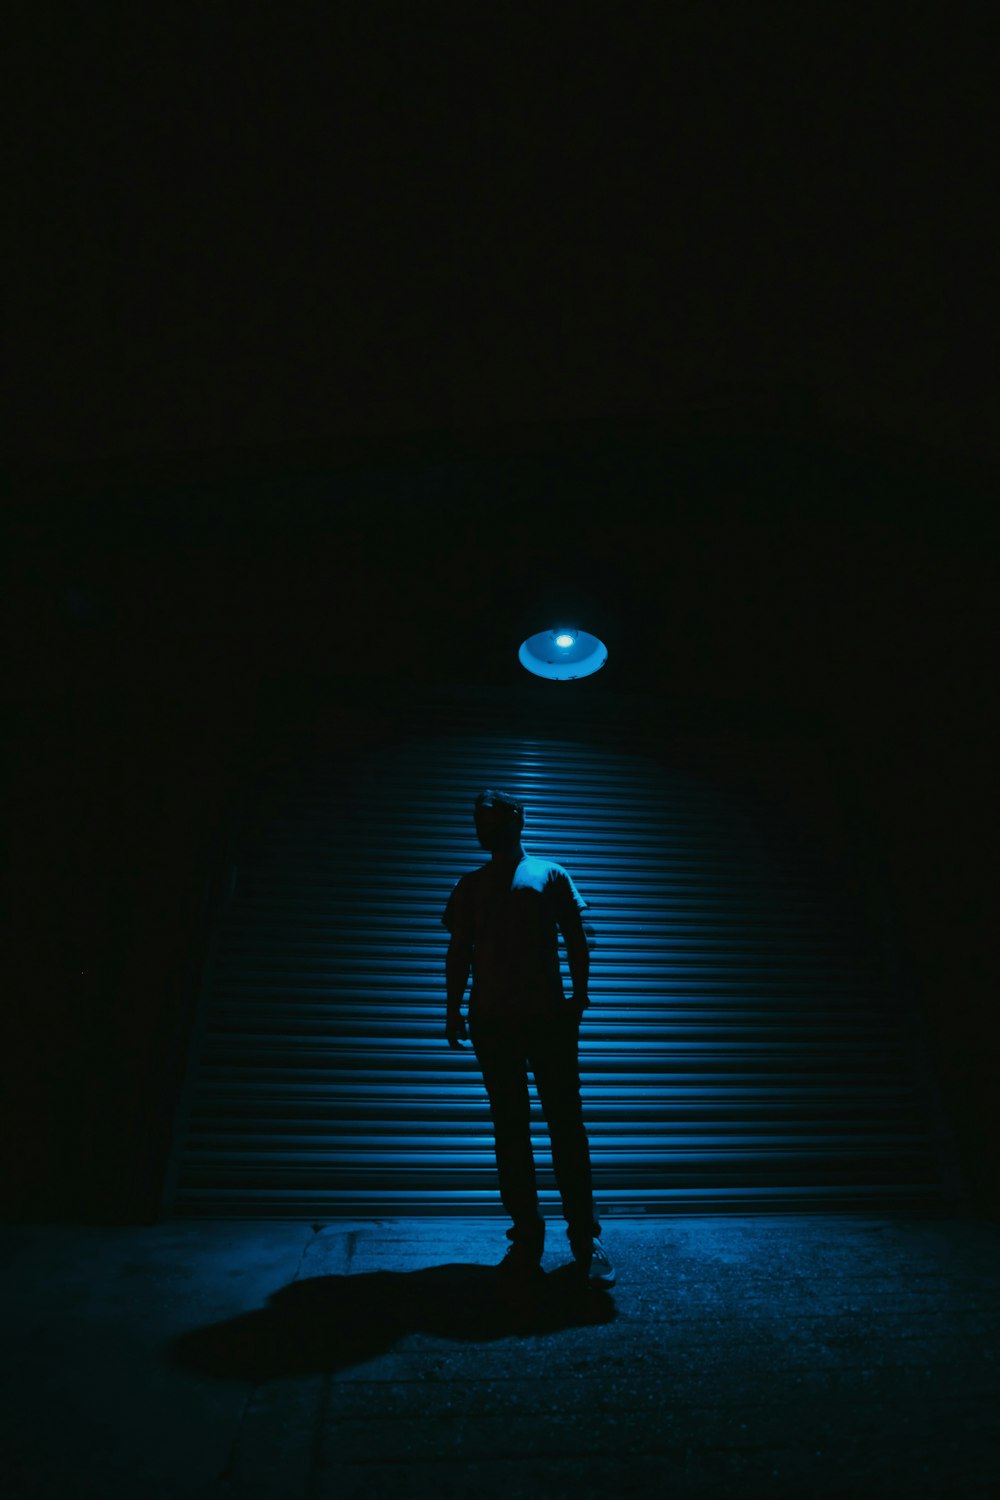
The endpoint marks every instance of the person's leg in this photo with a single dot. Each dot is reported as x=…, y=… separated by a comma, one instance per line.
x=501, y=1054
x=553, y=1054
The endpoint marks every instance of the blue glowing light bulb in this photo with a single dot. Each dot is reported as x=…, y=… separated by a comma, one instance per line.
x=562, y=653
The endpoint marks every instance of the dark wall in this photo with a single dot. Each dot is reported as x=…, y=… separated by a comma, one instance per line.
x=244, y=251
x=175, y=641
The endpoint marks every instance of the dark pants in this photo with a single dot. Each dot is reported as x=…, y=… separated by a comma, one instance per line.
x=505, y=1050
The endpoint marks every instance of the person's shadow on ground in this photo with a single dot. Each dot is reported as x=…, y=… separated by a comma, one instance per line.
x=325, y=1323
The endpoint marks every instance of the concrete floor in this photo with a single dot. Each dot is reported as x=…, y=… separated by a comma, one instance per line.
x=757, y=1357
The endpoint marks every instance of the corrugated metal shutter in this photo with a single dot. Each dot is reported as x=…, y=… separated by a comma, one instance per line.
x=743, y=1049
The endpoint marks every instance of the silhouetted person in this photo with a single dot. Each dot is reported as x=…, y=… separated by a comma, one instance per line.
x=503, y=920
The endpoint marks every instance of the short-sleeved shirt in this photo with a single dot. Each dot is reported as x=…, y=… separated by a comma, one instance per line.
x=512, y=923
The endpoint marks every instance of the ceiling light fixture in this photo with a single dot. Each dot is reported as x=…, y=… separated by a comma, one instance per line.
x=563, y=653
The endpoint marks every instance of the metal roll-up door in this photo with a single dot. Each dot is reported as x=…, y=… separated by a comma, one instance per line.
x=743, y=1049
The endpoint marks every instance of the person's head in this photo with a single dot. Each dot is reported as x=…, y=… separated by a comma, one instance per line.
x=499, y=819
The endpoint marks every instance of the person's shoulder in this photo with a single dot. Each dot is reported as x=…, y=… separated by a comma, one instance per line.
x=472, y=877
x=550, y=869
x=560, y=883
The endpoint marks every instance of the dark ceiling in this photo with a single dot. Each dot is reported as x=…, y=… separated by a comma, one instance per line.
x=239, y=233
x=686, y=315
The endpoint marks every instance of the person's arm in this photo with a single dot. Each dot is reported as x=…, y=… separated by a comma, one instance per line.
x=457, y=963
x=578, y=945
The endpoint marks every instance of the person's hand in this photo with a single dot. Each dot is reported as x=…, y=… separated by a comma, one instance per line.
x=456, y=1030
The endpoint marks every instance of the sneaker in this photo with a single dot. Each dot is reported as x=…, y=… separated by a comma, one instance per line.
x=521, y=1260
x=593, y=1260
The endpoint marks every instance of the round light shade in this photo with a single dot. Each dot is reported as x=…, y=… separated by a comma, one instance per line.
x=563, y=653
